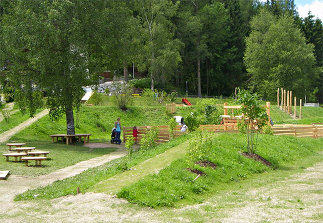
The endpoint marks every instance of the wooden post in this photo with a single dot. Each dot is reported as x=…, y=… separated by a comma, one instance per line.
x=225, y=109
x=287, y=102
x=268, y=111
x=124, y=135
x=295, y=103
x=282, y=99
x=300, y=108
x=278, y=97
x=291, y=102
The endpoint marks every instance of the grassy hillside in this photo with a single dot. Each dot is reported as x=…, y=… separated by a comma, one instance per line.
x=175, y=184
x=97, y=120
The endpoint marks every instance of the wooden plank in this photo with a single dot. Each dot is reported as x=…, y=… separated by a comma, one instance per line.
x=232, y=106
x=4, y=174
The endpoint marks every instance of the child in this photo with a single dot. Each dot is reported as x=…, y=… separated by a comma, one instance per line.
x=135, y=133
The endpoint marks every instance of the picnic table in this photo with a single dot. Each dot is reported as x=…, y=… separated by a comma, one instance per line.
x=69, y=138
x=15, y=145
x=24, y=149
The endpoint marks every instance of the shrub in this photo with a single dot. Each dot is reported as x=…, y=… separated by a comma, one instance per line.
x=148, y=141
x=199, y=145
x=141, y=83
x=96, y=98
x=192, y=122
x=129, y=145
x=123, y=94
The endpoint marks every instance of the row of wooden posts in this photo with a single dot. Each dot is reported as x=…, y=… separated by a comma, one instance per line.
x=285, y=102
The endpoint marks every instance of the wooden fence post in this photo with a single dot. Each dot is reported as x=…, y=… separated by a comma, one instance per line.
x=225, y=109
x=291, y=102
x=278, y=97
x=287, y=108
x=300, y=108
x=282, y=99
x=295, y=103
x=268, y=111
x=124, y=135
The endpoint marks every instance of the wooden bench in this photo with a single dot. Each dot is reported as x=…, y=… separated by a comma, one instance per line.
x=15, y=145
x=37, y=159
x=23, y=149
x=38, y=153
x=4, y=174
x=16, y=155
x=69, y=138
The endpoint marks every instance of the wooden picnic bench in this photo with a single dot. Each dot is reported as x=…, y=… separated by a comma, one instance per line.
x=16, y=155
x=69, y=138
x=15, y=145
x=37, y=159
x=38, y=153
x=23, y=149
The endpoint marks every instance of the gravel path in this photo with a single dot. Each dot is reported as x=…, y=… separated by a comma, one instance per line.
x=18, y=184
x=8, y=134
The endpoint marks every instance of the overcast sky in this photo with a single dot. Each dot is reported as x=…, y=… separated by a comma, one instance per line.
x=303, y=6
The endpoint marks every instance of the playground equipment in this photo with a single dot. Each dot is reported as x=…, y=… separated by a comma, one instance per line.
x=285, y=102
x=185, y=101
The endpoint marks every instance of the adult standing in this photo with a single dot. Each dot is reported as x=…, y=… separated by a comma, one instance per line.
x=117, y=125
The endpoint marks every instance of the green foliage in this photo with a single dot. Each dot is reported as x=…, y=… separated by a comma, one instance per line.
x=172, y=125
x=172, y=96
x=277, y=56
x=5, y=114
x=175, y=185
x=123, y=95
x=143, y=83
x=191, y=122
x=255, y=117
x=129, y=145
x=148, y=141
x=200, y=144
x=96, y=98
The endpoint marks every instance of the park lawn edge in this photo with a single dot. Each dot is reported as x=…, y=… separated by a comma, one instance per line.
x=92, y=176
x=175, y=185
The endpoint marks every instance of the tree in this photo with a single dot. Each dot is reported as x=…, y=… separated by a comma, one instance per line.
x=255, y=117
x=277, y=56
x=161, y=51
x=49, y=47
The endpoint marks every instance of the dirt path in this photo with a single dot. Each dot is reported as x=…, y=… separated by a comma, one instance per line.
x=18, y=184
x=297, y=198
x=8, y=134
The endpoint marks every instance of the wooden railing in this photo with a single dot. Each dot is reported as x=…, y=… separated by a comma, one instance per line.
x=314, y=130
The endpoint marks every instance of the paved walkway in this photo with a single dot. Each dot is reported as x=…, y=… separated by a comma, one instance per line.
x=18, y=184
x=8, y=134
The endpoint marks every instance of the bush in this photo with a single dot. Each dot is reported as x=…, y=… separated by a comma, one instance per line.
x=199, y=145
x=123, y=94
x=129, y=144
x=148, y=141
x=191, y=122
x=96, y=98
x=141, y=83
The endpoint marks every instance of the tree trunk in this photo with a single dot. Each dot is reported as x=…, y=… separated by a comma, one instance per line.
x=199, y=92
x=70, y=122
x=125, y=72
x=152, y=82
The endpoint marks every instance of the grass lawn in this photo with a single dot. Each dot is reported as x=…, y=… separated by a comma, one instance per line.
x=60, y=156
x=175, y=185
x=15, y=119
x=96, y=120
x=92, y=176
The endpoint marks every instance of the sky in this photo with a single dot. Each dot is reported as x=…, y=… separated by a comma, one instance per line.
x=303, y=6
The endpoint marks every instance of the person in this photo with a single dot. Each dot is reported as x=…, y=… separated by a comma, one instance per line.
x=183, y=128
x=117, y=125
x=135, y=133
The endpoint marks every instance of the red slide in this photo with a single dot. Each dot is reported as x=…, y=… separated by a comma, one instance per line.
x=185, y=101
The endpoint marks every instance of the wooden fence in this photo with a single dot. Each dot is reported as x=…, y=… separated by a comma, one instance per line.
x=163, y=132
x=314, y=130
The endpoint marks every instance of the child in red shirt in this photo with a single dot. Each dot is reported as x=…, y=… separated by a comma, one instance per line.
x=135, y=133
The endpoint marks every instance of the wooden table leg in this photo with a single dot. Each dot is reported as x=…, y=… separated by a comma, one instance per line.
x=26, y=162
x=15, y=159
x=7, y=157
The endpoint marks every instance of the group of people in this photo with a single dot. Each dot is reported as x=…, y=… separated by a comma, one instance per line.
x=116, y=131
